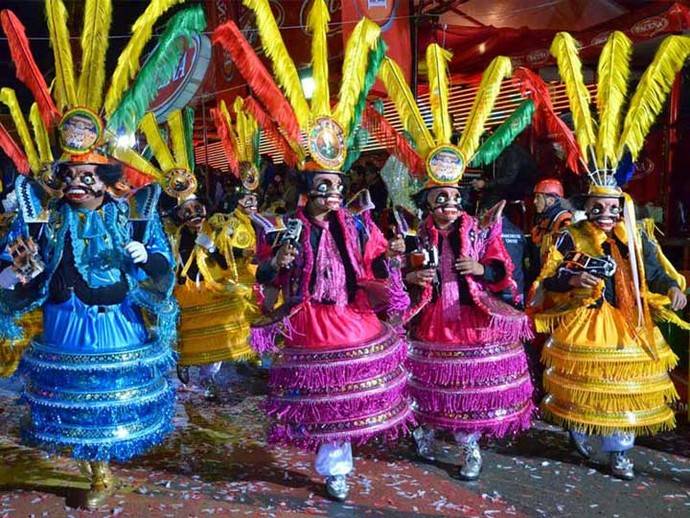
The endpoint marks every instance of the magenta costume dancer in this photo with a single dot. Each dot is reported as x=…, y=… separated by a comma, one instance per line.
x=468, y=368
x=339, y=377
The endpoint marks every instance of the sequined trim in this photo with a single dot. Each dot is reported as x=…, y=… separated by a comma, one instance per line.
x=424, y=351
x=504, y=383
x=381, y=346
x=361, y=389
x=44, y=356
x=38, y=395
x=488, y=416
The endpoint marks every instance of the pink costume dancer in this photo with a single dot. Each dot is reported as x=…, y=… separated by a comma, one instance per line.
x=340, y=376
x=468, y=368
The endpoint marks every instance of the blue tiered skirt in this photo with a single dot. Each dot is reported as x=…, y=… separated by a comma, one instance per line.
x=96, y=384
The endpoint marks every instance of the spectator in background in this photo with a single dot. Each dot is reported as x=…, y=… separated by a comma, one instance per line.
x=514, y=175
x=377, y=188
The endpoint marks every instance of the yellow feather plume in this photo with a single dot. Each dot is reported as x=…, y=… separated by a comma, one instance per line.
x=489, y=88
x=234, y=139
x=155, y=141
x=129, y=157
x=45, y=154
x=612, y=87
x=128, y=62
x=564, y=49
x=363, y=39
x=284, y=68
x=651, y=92
x=8, y=97
x=246, y=129
x=398, y=91
x=177, y=138
x=94, y=44
x=65, y=88
x=317, y=23
x=437, y=60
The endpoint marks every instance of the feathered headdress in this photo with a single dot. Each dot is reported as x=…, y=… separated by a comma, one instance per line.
x=445, y=162
x=618, y=131
x=312, y=128
x=173, y=149
x=240, y=142
x=84, y=115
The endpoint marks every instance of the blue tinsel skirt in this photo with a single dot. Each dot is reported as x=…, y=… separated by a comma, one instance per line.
x=96, y=384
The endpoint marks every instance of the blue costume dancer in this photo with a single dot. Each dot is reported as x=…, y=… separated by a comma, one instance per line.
x=95, y=380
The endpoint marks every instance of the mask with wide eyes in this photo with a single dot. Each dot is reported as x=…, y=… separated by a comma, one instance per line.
x=599, y=210
x=324, y=190
x=444, y=200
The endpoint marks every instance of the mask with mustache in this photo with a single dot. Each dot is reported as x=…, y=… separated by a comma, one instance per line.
x=604, y=212
x=81, y=185
x=248, y=203
x=326, y=193
x=445, y=204
x=192, y=214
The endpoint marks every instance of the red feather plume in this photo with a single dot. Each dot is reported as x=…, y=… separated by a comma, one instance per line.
x=27, y=69
x=12, y=150
x=396, y=144
x=222, y=128
x=546, y=120
x=271, y=130
x=255, y=73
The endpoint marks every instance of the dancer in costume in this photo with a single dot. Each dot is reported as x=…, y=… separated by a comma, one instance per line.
x=339, y=379
x=605, y=279
x=468, y=369
x=95, y=380
x=214, y=297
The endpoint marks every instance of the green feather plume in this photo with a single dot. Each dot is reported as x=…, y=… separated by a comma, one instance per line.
x=376, y=56
x=504, y=134
x=188, y=118
x=157, y=70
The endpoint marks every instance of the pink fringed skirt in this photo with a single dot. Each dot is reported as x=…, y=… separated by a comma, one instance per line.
x=470, y=374
x=353, y=391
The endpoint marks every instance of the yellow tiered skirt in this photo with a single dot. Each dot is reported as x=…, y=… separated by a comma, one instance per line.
x=11, y=352
x=601, y=376
x=214, y=325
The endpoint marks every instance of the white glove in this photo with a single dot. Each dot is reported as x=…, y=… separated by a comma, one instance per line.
x=8, y=278
x=137, y=252
x=205, y=241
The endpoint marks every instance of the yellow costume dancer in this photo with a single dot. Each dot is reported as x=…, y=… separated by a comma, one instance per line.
x=214, y=296
x=606, y=362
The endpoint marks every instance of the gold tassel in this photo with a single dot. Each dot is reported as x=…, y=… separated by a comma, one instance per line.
x=65, y=89
x=242, y=130
x=94, y=44
x=564, y=49
x=398, y=91
x=489, y=88
x=651, y=92
x=363, y=39
x=128, y=61
x=45, y=154
x=9, y=98
x=317, y=24
x=155, y=141
x=129, y=157
x=178, y=141
x=437, y=60
x=284, y=68
x=613, y=72
x=234, y=139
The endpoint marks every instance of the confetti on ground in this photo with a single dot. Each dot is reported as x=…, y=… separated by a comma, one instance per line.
x=216, y=463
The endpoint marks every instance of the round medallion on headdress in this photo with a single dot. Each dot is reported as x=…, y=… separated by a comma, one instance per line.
x=180, y=183
x=327, y=143
x=79, y=131
x=445, y=165
x=249, y=175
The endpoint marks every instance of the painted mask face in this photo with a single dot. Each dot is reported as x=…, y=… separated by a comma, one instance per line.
x=81, y=185
x=327, y=191
x=604, y=212
x=192, y=214
x=248, y=203
x=445, y=204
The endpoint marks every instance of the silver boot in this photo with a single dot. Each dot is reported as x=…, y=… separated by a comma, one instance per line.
x=211, y=391
x=621, y=466
x=471, y=461
x=337, y=488
x=424, y=439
